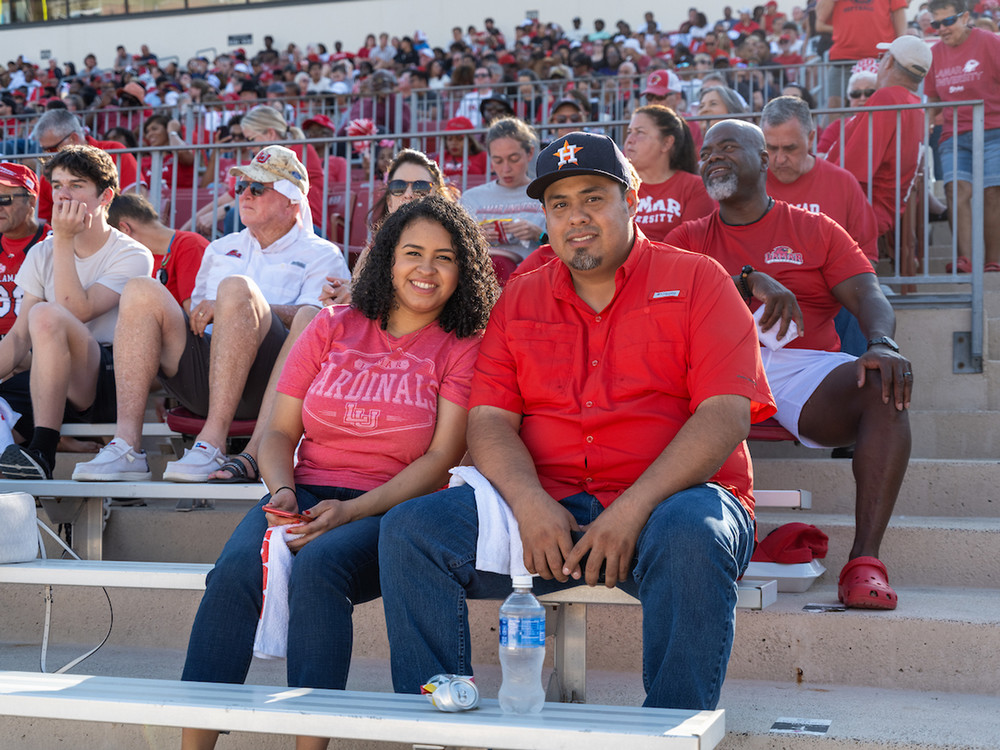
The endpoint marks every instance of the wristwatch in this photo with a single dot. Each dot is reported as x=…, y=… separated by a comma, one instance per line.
x=742, y=283
x=884, y=340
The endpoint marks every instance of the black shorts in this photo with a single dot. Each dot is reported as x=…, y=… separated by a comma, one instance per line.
x=189, y=385
x=17, y=392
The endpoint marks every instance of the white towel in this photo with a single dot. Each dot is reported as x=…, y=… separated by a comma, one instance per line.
x=271, y=640
x=498, y=548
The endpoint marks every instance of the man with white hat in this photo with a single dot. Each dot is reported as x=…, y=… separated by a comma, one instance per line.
x=248, y=289
x=900, y=73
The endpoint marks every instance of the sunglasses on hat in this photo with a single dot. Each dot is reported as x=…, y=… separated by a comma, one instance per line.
x=257, y=189
x=421, y=188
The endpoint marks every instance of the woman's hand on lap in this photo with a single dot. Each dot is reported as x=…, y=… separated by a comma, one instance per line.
x=329, y=514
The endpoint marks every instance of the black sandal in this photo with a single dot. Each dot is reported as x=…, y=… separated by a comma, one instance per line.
x=238, y=469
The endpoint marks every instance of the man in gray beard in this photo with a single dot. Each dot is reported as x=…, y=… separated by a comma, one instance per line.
x=824, y=397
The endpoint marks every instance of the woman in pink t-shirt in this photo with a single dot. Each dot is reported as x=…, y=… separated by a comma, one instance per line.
x=965, y=67
x=372, y=404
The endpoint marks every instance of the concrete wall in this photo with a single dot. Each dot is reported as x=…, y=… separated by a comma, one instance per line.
x=308, y=23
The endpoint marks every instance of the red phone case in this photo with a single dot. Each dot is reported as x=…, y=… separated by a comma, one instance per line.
x=285, y=513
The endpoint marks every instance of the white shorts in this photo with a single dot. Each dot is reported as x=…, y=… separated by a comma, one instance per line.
x=793, y=375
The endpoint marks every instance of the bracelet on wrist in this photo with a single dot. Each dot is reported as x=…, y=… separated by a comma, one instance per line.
x=283, y=487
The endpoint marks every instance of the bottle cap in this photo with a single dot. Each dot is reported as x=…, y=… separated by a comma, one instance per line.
x=521, y=582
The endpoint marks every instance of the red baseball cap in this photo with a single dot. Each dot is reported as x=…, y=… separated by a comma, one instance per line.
x=661, y=83
x=459, y=123
x=18, y=175
x=322, y=120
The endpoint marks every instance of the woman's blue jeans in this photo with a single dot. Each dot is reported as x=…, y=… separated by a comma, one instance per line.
x=689, y=556
x=329, y=576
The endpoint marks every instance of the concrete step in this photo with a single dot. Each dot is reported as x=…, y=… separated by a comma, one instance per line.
x=917, y=550
x=931, y=487
x=859, y=717
x=939, y=638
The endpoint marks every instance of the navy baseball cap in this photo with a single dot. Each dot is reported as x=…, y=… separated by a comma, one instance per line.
x=577, y=154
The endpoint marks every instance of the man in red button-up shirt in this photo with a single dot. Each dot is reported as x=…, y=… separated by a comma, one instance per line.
x=613, y=392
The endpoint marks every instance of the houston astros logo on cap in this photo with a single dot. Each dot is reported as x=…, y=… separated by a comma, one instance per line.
x=567, y=154
x=579, y=154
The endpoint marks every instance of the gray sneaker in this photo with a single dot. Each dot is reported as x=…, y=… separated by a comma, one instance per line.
x=116, y=462
x=195, y=465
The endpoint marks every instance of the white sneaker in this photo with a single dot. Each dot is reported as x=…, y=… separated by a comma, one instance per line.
x=116, y=462
x=195, y=465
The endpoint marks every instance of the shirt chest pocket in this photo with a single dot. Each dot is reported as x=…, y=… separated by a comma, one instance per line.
x=654, y=355
x=546, y=356
x=282, y=282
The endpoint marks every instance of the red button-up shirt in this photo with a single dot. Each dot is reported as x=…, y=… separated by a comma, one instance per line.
x=601, y=394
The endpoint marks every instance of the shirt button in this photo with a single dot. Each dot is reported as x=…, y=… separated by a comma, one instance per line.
x=588, y=479
x=594, y=363
x=590, y=438
x=598, y=319
x=589, y=404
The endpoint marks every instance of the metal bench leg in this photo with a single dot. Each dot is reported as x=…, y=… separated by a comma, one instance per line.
x=568, y=683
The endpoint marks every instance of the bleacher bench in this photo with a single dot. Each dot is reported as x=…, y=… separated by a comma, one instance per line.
x=566, y=624
x=353, y=715
x=81, y=503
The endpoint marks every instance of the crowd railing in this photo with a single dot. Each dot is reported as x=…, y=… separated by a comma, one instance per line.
x=348, y=201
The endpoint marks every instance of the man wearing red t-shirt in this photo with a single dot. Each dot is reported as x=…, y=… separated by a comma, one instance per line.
x=899, y=75
x=19, y=232
x=824, y=397
x=858, y=27
x=797, y=176
x=177, y=255
x=59, y=128
x=612, y=396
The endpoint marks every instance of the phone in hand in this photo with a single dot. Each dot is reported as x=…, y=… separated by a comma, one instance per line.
x=282, y=513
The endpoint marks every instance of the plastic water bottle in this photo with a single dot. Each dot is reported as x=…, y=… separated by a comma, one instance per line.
x=522, y=650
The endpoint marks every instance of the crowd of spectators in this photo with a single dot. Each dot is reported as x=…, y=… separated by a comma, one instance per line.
x=756, y=51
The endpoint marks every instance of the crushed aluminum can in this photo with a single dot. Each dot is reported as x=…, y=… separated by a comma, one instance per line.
x=451, y=692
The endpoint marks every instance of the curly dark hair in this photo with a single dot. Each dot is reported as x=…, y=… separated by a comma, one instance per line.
x=468, y=309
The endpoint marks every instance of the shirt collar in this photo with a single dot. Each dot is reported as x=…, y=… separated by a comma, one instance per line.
x=563, y=286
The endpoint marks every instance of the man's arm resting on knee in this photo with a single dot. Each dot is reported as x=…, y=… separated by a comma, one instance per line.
x=863, y=298
x=717, y=427
x=502, y=457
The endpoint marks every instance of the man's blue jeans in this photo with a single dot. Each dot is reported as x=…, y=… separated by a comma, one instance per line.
x=688, y=558
x=329, y=576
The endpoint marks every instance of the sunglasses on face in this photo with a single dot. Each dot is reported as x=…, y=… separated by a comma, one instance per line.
x=257, y=189
x=563, y=119
x=55, y=146
x=6, y=200
x=858, y=93
x=421, y=188
x=949, y=21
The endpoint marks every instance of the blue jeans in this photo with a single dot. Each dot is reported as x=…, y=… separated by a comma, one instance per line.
x=689, y=555
x=329, y=576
